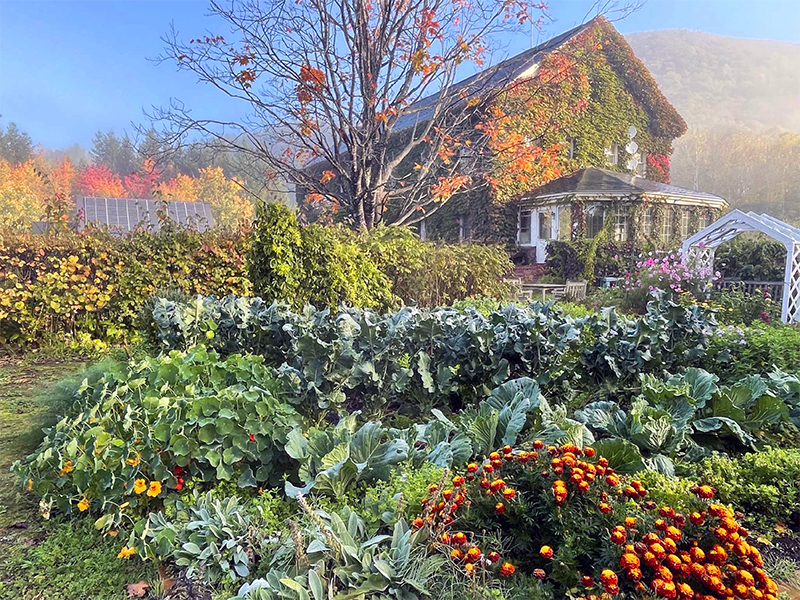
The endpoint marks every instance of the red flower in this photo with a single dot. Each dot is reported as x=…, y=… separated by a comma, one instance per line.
x=252, y=438
x=507, y=569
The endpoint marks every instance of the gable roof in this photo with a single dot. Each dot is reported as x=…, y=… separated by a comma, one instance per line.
x=618, y=52
x=122, y=215
x=593, y=182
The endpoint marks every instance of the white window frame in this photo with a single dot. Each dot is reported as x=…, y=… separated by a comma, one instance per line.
x=549, y=219
x=622, y=223
x=525, y=217
x=590, y=218
x=464, y=232
x=686, y=219
x=647, y=222
x=667, y=229
x=612, y=154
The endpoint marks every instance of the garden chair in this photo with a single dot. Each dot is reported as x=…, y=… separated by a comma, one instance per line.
x=575, y=290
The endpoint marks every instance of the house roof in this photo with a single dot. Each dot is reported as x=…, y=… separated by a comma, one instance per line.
x=495, y=76
x=122, y=215
x=593, y=182
x=643, y=87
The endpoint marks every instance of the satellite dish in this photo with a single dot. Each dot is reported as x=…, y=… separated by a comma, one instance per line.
x=632, y=147
x=633, y=162
x=632, y=132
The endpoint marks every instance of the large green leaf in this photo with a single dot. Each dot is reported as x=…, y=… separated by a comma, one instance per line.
x=603, y=416
x=702, y=385
x=622, y=455
x=768, y=409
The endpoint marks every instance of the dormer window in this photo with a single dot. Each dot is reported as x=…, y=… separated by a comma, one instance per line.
x=612, y=154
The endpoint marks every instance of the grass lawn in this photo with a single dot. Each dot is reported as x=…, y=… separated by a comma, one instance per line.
x=48, y=560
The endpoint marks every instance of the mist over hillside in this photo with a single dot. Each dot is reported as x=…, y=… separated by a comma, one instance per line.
x=721, y=82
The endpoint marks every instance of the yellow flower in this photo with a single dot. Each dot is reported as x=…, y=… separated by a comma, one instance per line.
x=124, y=505
x=139, y=486
x=133, y=461
x=126, y=552
x=155, y=489
x=83, y=504
x=67, y=468
x=30, y=485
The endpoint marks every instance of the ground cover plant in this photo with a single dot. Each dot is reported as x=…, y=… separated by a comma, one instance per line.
x=266, y=453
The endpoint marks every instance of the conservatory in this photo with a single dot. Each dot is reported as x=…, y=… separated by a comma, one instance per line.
x=701, y=247
x=628, y=206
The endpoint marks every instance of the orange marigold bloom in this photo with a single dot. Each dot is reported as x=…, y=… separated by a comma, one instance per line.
x=473, y=554
x=608, y=577
x=605, y=508
x=507, y=569
x=618, y=535
x=629, y=561
x=417, y=523
x=500, y=508
x=493, y=556
x=538, y=444
x=447, y=494
x=634, y=574
x=685, y=591
x=583, y=487
x=587, y=581
x=494, y=456
x=458, y=481
x=497, y=485
x=539, y=574
x=674, y=533
x=546, y=552
x=589, y=452
x=705, y=492
x=460, y=538
x=457, y=554
x=432, y=489
x=472, y=467
x=697, y=554
x=612, y=480
x=507, y=449
x=696, y=518
x=509, y=493
x=469, y=568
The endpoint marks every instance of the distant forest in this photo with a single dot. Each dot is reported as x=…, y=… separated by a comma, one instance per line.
x=741, y=99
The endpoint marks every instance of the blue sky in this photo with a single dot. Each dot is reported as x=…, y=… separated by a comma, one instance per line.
x=68, y=69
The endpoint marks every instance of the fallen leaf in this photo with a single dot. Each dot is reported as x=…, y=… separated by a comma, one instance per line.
x=167, y=579
x=138, y=589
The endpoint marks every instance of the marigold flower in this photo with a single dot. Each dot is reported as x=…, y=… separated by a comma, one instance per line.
x=154, y=489
x=497, y=485
x=667, y=511
x=507, y=449
x=444, y=538
x=432, y=489
x=587, y=581
x=500, y=508
x=603, y=462
x=457, y=554
x=537, y=444
x=447, y=494
x=493, y=556
x=494, y=456
x=83, y=505
x=126, y=552
x=417, y=523
x=630, y=522
x=629, y=561
x=589, y=452
x=697, y=554
x=488, y=468
x=605, y=508
x=458, y=481
x=705, y=492
x=546, y=552
x=618, y=535
x=608, y=577
x=660, y=524
x=696, y=518
x=634, y=574
x=460, y=538
x=472, y=467
x=509, y=493
x=612, y=480
x=133, y=461
x=583, y=486
x=507, y=569
x=539, y=574
x=473, y=554
x=631, y=492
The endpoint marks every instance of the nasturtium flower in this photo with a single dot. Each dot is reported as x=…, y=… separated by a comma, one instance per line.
x=154, y=489
x=83, y=505
x=139, y=486
x=126, y=552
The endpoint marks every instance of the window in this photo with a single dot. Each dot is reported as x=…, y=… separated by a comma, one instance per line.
x=423, y=230
x=621, y=223
x=666, y=226
x=463, y=228
x=595, y=218
x=685, y=218
x=545, y=225
x=647, y=222
x=704, y=220
x=612, y=154
x=572, y=148
x=641, y=168
x=524, y=233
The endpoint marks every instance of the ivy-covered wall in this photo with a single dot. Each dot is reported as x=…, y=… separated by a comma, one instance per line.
x=591, y=91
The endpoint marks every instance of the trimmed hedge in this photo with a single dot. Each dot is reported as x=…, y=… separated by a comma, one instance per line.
x=94, y=283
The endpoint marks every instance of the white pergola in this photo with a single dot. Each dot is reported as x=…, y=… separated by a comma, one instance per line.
x=702, y=245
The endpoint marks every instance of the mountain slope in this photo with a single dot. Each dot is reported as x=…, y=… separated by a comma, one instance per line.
x=717, y=81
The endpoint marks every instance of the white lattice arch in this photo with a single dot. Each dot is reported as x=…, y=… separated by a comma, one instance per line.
x=702, y=245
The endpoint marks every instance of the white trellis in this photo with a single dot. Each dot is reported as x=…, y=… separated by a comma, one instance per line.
x=702, y=245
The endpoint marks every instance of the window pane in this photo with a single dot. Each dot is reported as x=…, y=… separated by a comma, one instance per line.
x=525, y=227
x=545, y=225
x=594, y=221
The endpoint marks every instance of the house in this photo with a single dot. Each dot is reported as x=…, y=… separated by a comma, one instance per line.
x=594, y=179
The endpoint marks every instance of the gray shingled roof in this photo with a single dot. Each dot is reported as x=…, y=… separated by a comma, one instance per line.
x=597, y=182
x=122, y=215
x=499, y=75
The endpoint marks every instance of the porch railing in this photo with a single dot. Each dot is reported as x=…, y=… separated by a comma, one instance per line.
x=775, y=288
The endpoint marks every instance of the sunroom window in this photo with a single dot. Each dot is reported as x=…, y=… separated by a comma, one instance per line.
x=524, y=227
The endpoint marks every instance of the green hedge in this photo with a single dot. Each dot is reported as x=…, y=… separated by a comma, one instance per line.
x=93, y=283
x=735, y=352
